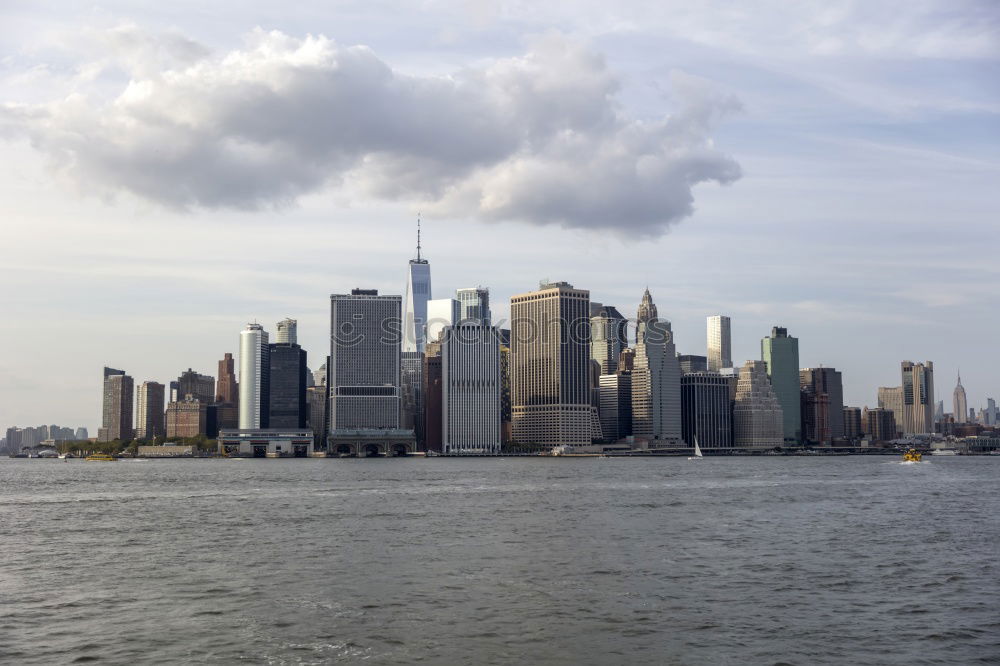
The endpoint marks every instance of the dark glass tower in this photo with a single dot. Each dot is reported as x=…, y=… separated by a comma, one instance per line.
x=287, y=406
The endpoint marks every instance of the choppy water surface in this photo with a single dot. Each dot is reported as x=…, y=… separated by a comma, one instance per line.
x=450, y=561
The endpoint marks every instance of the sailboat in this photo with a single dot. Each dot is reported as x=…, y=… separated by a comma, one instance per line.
x=697, y=451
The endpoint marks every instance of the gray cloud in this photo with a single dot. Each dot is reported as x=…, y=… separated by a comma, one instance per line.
x=538, y=138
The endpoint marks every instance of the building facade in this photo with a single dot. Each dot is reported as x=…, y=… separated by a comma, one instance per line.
x=880, y=424
x=757, y=415
x=719, y=343
x=616, y=405
x=550, y=361
x=187, y=418
x=118, y=405
x=474, y=305
x=918, y=397
x=656, y=381
x=200, y=386
x=254, y=377
x=287, y=373
x=959, y=402
x=471, y=385
x=853, y=425
x=780, y=353
x=608, y=336
x=828, y=382
x=706, y=410
x=149, y=412
x=891, y=398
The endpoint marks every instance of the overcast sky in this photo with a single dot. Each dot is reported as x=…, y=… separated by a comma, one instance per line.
x=173, y=171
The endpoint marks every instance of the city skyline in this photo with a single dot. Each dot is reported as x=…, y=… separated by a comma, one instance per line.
x=836, y=226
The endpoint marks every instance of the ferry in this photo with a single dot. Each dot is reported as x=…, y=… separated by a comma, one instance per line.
x=100, y=457
x=944, y=452
x=912, y=456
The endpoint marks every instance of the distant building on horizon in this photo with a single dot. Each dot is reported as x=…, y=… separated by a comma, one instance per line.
x=961, y=405
x=853, y=425
x=254, y=378
x=149, y=416
x=780, y=353
x=227, y=394
x=656, y=380
x=692, y=363
x=891, y=398
x=757, y=415
x=918, y=397
x=200, y=386
x=118, y=405
x=719, y=343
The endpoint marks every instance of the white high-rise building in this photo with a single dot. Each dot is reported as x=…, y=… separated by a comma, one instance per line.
x=475, y=304
x=960, y=404
x=253, y=380
x=720, y=354
x=287, y=332
x=364, y=362
x=441, y=312
x=470, y=388
x=757, y=415
x=656, y=380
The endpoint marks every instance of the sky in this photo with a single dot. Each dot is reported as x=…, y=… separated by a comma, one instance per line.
x=172, y=171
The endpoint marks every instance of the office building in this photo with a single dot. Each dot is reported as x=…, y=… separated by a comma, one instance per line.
x=656, y=380
x=961, y=406
x=227, y=394
x=287, y=371
x=287, y=332
x=891, y=398
x=691, y=363
x=706, y=410
x=550, y=365
x=757, y=416
x=880, y=424
x=118, y=403
x=254, y=378
x=441, y=312
x=780, y=353
x=187, y=417
x=815, y=411
x=149, y=411
x=433, y=396
x=608, y=336
x=827, y=381
x=918, y=397
x=471, y=385
x=474, y=305
x=616, y=405
x=853, y=425
x=200, y=386
x=719, y=343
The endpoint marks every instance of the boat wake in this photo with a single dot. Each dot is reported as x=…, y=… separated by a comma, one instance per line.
x=914, y=462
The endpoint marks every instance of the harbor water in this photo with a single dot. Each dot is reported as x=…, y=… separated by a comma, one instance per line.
x=826, y=560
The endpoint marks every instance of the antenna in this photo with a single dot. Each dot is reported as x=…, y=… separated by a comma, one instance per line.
x=418, y=237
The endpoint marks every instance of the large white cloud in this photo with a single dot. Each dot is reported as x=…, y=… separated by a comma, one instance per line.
x=538, y=138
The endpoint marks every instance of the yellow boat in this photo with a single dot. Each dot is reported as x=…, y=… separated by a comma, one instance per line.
x=912, y=456
x=100, y=457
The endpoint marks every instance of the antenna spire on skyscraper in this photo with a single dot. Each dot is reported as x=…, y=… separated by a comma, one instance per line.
x=418, y=237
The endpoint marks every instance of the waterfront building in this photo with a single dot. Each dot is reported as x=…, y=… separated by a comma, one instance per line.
x=719, y=343
x=149, y=411
x=780, y=353
x=433, y=394
x=706, y=410
x=287, y=371
x=550, y=364
x=880, y=424
x=608, y=336
x=266, y=443
x=441, y=312
x=200, y=386
x=471, y=384
x=959, y=402
x=918, y=397
x=853, y=425
x=227, y=394
x=365, y=376
x=118, y=403
x=656, y=380
x=815, y=411
x=287, y=332
x=474, y=305
x=757, y=416
x=991, y=415
x=254, y=377
x=187, y=418
x=691, y=363
x=616, y=405
x=891, y=398
x=826, y=381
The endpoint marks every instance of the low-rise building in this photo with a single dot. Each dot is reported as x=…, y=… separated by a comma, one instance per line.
x=266, y=443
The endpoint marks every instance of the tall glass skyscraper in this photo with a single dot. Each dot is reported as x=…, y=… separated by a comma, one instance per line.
x=254, y=381
x=418, y=293
x=780, y=353
x=918, y=397
x=720, y=354
x=608, y=336
x=474, y=304
x=656, y=380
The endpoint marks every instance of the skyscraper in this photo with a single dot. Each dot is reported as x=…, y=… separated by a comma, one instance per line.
x=880, y=424
x=287, y=332
x=418, y=293
x=149, y=411
x=780, y=353
x=474, y=304
x=918, y=397
x=608, y=336
x=656, y=380
x=470, y=396
x=287, y=380
x=693, y=363
x=441, y=312
x=961, y=407
x=853, y=425
x=227, y=394
x=254, y=377
x=616, y=405
x=433, y=396
x=826, y=381
x=757, y=417
x=118, y=403
x=364, y=361
x=891, y=398
x=706, y=410
x=550, y=365
x=202, y=387
x=720, y=354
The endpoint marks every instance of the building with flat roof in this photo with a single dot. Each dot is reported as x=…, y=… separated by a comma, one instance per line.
x=470, y=388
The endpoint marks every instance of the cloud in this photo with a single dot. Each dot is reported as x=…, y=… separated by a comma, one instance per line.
x=538, y=138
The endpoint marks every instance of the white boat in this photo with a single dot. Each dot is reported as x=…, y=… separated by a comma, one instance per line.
x=944, y=452
x=697, y=451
